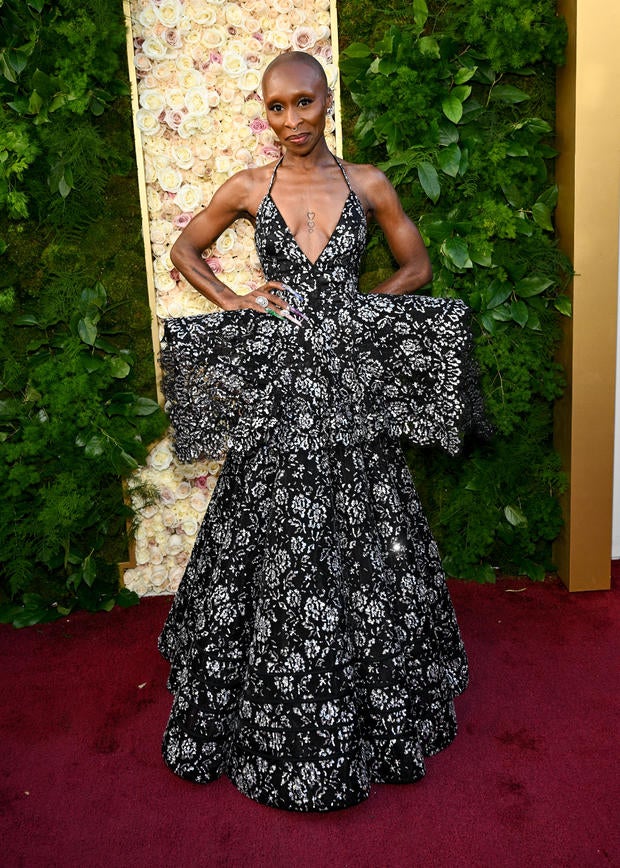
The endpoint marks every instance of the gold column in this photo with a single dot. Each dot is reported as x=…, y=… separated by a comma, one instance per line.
x=588, y=174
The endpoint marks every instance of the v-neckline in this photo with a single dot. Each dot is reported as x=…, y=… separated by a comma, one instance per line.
x=295, y=242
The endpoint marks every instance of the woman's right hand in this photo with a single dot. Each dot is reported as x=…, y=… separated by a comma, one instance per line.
x=262, y=299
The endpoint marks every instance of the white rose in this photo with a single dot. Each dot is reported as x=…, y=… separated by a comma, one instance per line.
x=203, y=151
x=175, y=97
x=164, y=70
x=189, y=78
x=169, y=12
x=183, y=156
x=153, y=201
x=189, y=126
x=297, y=17
x=284, y=6
x=189, y=198
x=303, y=38
x=184, y=489
x=222, y=163
x=197, y=101
x=147, y=18
x=159, y=576
x=199, y=502
x=184, y=63
x=164, y=282
x=249, y=81
x=170, y=179
x=213, y=468
x=154, y=47
x=190, y=526
x=142, y=63
x=233, y=14
x=278, y=39
x=331, y=71
x=156, y=556
x=147, y=122
x=200, y=13
x=160, y=230
x=174, y=577
x=142, y=554
x=160, y=457
x=175, y=544
x=214, y=37
x=226, y=241
x=233, y=64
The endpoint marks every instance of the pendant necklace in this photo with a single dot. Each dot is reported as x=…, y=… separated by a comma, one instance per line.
x=310, y=220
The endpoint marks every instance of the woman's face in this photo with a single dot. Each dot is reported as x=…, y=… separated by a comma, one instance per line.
x=296, y=101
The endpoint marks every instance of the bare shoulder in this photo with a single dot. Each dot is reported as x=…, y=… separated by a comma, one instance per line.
x=370, y=184
x=245, y=189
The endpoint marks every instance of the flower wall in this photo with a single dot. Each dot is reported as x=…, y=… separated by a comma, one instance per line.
x=198, y=66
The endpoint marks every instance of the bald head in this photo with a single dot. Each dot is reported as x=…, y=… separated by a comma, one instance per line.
x=300, y=58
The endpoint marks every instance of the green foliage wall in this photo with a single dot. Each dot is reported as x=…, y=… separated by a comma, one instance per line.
x=455, y=102
x=73, y=299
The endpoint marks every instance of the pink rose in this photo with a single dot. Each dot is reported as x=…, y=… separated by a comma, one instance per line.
x=201, y=482
x=172, y=38
x=181, y=220
x=258, y=36
x=270, y=151
x=258, y=125
x=175, y=274
x=214, y=264
x=215, y=57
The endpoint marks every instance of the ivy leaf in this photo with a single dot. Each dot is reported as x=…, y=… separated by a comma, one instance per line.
x=87, y=330
x=480, y=254
x=533, y=321
x=95, y=446
x=509, y=93
x=429, y=47
x=519, y=312
x=534, y=285
x=449, y=160
x=455, y=249
x=144, y=407
x=497, y=293
x=461, y=92
x=515, y=149
x=488, y=322
x=549, y=197
x=563, y=304
x=515, y=516
x=502, y=313
x=420, y=13
x=542, y=216
x=28, y=319
x=89, y=571
x=429, y=180
x=448, y=133
x=452, y=108
x=465, y=73
x=118, y=367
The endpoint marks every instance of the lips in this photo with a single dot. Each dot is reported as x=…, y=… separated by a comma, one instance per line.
x=298, y=139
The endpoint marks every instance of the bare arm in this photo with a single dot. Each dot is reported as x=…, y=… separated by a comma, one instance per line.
x=229, y=203
x=402, y=236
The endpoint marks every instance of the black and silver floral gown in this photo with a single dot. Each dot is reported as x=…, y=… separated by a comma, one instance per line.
x=313, y=644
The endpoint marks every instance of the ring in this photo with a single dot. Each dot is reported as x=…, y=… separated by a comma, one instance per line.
x=260, y=299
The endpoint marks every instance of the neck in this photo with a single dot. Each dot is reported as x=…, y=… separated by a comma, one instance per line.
x=317, y=157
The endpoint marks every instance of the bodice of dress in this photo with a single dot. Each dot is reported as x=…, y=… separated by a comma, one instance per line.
x=335, y=272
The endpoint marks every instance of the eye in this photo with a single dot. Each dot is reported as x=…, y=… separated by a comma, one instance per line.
x=275, y=107
x=305, y=101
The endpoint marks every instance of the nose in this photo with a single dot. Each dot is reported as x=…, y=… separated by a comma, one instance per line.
x=292, y=117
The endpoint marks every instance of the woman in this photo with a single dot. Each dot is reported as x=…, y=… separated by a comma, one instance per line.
x=313, y=643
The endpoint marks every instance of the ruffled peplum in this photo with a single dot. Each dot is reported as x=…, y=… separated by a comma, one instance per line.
x=374, y=365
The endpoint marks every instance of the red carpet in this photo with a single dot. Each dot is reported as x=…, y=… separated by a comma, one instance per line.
x=529, y=781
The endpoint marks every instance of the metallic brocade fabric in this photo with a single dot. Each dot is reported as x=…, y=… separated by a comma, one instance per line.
x=313, y=644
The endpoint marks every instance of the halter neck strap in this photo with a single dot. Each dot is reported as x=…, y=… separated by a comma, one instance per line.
x=340, y=166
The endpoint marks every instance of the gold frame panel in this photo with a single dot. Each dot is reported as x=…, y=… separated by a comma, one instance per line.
x=588, y=175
